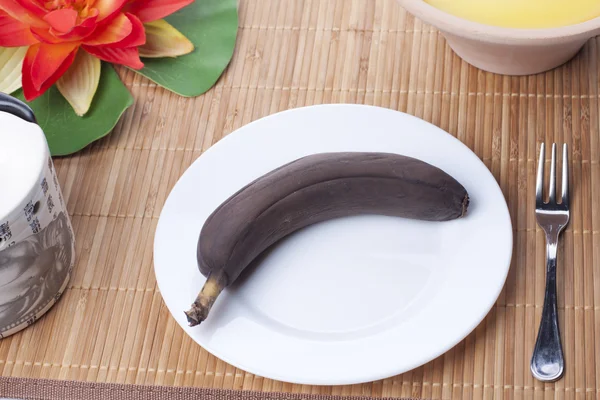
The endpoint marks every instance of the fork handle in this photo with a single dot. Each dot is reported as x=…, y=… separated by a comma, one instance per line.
x=547, y=362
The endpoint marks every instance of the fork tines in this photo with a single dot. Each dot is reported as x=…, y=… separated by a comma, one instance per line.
x=552, y=186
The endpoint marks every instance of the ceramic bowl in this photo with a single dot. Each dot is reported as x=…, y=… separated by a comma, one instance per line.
x=506, y=51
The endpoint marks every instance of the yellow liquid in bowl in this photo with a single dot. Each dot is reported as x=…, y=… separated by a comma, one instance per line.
x=529, y=14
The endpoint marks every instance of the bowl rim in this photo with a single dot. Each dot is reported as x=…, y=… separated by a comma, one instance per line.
x=458, y=26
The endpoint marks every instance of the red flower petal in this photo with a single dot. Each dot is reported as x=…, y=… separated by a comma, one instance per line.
x=44, y=35
x=49, y=35
x=18, y=12
x=118, y=29
x=129, y=57
x=79, y=32
x=48, y=60
x=14, y=33
x=31, y=63
x=137, y=37
x=151, y=10
x=33, y=7
x=108, y=8
x=63, y=20
x=29, y=91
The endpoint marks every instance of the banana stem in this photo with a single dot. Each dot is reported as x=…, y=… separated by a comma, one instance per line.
x=214, y=285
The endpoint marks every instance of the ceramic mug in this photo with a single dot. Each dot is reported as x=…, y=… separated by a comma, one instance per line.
x=37, y=245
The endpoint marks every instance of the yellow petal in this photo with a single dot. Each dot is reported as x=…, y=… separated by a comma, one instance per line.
x=163, y=40
x=78, y=85
x=11, y=61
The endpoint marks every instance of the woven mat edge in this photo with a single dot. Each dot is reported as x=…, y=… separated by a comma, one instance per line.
x=49, y=389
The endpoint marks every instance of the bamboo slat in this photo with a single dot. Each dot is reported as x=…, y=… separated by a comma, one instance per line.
x=112, y=326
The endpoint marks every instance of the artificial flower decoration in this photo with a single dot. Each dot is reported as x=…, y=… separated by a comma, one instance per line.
x=66, y=39
x=63, y=57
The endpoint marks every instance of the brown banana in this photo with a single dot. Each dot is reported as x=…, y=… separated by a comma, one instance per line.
x=313, y=189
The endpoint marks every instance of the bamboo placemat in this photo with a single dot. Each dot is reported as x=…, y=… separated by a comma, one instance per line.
x=112, y=326
x=44, y=389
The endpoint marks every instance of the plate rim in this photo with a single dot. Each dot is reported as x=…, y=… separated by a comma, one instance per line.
x=367, y=377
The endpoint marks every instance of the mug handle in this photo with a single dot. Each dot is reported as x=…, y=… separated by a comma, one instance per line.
x=16, y=107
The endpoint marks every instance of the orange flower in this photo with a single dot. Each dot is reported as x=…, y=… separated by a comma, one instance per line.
x=56, y=32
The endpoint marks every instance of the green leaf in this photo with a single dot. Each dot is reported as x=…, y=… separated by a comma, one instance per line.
x=212, y=26
x=68, y=133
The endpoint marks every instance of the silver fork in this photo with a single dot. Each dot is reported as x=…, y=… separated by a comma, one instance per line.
x=547, y=362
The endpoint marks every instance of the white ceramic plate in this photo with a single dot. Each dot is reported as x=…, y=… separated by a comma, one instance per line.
x=345, y=301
